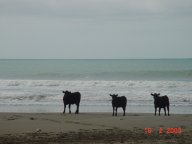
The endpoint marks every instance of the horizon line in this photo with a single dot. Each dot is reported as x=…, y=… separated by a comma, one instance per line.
x=89, y=58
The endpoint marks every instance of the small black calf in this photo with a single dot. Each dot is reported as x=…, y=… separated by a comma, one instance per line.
x=160, y=102
x=71, y=98
x=118, y=102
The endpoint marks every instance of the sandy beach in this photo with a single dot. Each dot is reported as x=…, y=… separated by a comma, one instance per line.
x=94, y=128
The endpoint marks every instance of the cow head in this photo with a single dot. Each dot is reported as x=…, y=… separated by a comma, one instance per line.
x=113, y=95
x=155, y=95
x=66, y=92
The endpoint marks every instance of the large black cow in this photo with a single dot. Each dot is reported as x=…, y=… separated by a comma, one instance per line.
x=71, y=98
x=160, y=102
x=118, y=102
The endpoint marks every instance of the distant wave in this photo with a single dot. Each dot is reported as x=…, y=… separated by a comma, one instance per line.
x=144, y=75
x=38, y=90
x=24, y=98
x=116, y=75
x=175, y=69
x=180, y=75
x=94, y=83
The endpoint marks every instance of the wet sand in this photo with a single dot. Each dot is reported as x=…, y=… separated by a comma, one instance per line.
x=94, y=128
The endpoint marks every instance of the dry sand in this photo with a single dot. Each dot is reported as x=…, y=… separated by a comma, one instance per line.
x=94, y=128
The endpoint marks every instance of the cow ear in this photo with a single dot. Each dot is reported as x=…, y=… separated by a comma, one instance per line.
x=110, y=95
x=63, y=91
x=158, y=94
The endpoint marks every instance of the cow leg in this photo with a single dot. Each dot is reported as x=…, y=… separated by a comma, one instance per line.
x=113, y=111
x=165, y=111
x=159, y=111
x=69, y=108
x=123, y=111
x=116, y=111
x=155, y=111
x=77, y=111
x=168, y=110
x=64, y=108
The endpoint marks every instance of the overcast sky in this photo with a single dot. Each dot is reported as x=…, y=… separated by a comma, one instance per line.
x=62, y=29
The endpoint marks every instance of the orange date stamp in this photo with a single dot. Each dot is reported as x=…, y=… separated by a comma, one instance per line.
x=169, y=130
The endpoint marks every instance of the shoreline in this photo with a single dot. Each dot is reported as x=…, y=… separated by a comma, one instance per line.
x=91, y=127
x=181, y=109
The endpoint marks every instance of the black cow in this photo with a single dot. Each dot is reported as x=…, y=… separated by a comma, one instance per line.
x=160, y=102
x=118, y=102
x=71, y=98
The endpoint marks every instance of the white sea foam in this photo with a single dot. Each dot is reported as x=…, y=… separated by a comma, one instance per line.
x=94, y=90
x=48, y=93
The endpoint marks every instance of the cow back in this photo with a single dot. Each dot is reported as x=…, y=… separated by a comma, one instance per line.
x=72, y=98
x=119, y=101
x=161, y=101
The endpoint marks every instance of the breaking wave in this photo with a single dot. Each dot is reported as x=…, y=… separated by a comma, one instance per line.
x=51, y=90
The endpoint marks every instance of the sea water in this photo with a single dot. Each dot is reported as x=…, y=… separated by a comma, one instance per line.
x=37, y=85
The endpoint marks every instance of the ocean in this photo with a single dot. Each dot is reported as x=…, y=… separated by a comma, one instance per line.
x=36, y=85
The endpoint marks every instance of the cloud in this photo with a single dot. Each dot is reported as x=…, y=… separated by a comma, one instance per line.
x=129, y=28
x=94, y=8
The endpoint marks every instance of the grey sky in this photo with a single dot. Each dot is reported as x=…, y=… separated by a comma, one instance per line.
x=95, y=29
